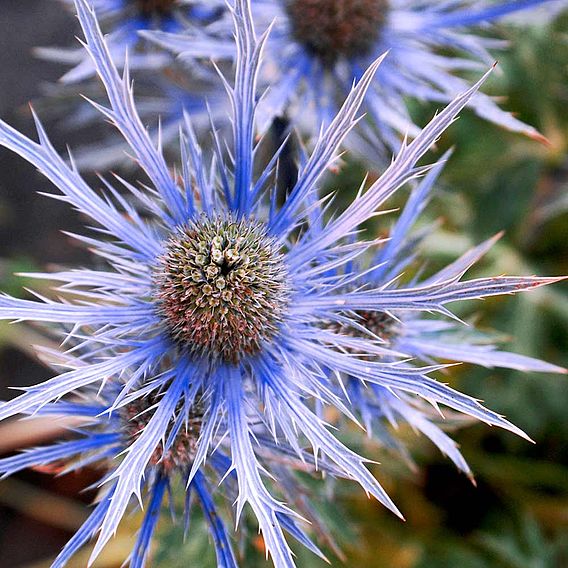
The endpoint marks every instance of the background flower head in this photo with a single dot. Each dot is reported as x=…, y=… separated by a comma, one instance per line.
x=163, y=86
x=317, y=48
x=418, y=336
x=123, y=20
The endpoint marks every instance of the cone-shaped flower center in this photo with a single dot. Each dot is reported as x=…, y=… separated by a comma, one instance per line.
x=337, y=28
x=180, y=453
x=223, y=287
x=155, y=7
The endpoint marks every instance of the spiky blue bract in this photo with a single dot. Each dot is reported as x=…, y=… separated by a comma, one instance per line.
x=430, y=46
x=125, y=333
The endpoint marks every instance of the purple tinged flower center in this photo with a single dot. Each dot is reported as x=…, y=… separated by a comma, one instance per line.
x=155, y=7
x=331, y=29
x=222, y=287
x=180, y=454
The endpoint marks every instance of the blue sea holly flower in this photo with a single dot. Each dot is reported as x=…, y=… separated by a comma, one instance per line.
x=317, y=48
x=417, y=335
x=99, y=439
x=210, y=284
x=123, y=20
x=169, y=90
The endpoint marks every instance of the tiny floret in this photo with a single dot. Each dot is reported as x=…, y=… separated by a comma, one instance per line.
x=222, y=287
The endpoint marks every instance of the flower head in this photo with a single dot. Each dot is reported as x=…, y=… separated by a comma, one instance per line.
x=222, y=287
x=318, y=48
x=160, y=321
x=169, y=90
x=99, y=438
x=336, y=29
x=123, y=20
x=417, y=335
x=98, y=442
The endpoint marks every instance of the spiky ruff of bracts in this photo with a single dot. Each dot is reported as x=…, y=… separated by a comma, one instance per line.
x=316, y=55
x=124, y=338
x=223, y=287
x=337, y=28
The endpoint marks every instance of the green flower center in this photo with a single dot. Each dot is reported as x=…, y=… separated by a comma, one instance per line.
x=331, y=29
x=223, y=287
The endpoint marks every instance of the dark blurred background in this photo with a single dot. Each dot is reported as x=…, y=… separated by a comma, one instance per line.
x=517, y=516
x=30, y=237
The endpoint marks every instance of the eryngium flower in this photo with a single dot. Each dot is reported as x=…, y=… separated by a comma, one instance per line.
x=265, y=357
x=123, y=20
x=97, y=440
x=100, y=439
x=416, y=335
x=169, y=89
x=319, y=47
